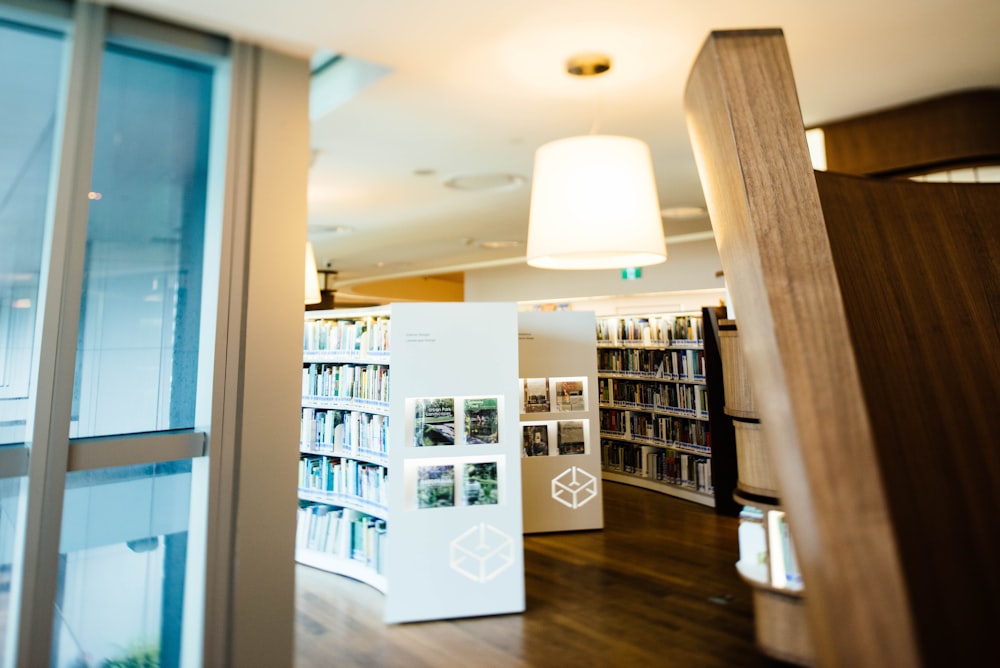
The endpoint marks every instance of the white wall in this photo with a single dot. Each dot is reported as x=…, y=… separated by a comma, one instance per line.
x=690, y=267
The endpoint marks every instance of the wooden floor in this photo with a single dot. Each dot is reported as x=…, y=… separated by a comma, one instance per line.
x=656, y=587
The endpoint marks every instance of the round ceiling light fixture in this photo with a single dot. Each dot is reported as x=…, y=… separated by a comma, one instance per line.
x=683, y=212
x=485, y=181
x=494, y=245
x=329, y=230
x=588, y=64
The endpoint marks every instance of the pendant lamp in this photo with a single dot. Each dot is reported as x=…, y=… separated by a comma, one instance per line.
x=312, y=277
x=594, y=205
x=593, y=198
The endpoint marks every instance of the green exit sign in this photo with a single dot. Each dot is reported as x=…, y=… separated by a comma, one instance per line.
x=632, y=273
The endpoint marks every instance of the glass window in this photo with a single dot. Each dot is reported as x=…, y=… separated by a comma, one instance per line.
x=30, y=64
x=140, y=312
x=122, y=560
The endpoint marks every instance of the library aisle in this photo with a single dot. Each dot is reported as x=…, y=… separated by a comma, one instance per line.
x=656, y=587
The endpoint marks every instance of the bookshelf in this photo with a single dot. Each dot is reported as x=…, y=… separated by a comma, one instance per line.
x=343, y=455
x=767, y=558
x=441, y=535
x=560, y=460
x=654, y=420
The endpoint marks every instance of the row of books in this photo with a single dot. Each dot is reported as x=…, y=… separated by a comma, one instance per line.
x=360, y=336
x=689, y=399
x=652, y=363
x=664, y=430
x=665, y=364
x=341, y=532
x=650, y=330
x=347, y=381
x=350, y=431
x=345, y=477
x=659, y=464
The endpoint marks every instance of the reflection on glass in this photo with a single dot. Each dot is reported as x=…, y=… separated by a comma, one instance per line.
x=30, y=65
x=10, y=493
x=30, y=62
x=139, y=326
x=122, y=566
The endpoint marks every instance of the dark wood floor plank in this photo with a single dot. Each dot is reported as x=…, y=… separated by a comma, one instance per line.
x=657, y=587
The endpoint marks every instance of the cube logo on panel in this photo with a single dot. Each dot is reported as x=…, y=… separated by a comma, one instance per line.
x=574, y=487
x=482, y=552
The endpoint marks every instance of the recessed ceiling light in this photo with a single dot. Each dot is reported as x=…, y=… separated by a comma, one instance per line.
x=500, y=244
x=392, y=265
x=682, y=212
x=493, y=181
x=342, y=230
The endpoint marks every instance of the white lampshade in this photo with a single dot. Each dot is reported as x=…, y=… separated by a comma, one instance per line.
x=594, y=205
x=312, y=277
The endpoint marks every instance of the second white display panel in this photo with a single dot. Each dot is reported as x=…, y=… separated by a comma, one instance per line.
x=455, y=544
x=558, y=406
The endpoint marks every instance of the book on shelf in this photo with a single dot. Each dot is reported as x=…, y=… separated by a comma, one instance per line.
x=649, y=457
x=347, y=336
x=434, y=422
x=535, y=439
x=753, y=561
x=479, y=484
x=536, y=395
x=482, y=422
x=793, y=577
x=569, y=395
x=341, y=532
x=436, y=486
x=571, y=437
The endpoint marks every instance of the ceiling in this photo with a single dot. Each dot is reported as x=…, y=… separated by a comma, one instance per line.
x=465, y=87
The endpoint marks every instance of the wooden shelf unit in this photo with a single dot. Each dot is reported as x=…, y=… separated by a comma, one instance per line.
x=766, y=556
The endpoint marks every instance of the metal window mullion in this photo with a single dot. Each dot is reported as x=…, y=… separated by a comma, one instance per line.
x=51, y=14
x=227, y=377
x=105, y=452
x=56, y=338
x=166, y=39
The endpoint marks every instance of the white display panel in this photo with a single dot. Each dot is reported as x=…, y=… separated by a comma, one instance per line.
x=560, y=444
x=454, y=550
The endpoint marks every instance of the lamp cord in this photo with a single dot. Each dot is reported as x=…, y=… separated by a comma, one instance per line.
x=596, y=123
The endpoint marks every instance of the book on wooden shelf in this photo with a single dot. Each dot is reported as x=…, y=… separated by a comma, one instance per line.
x=753, y=563
x=784, y=566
